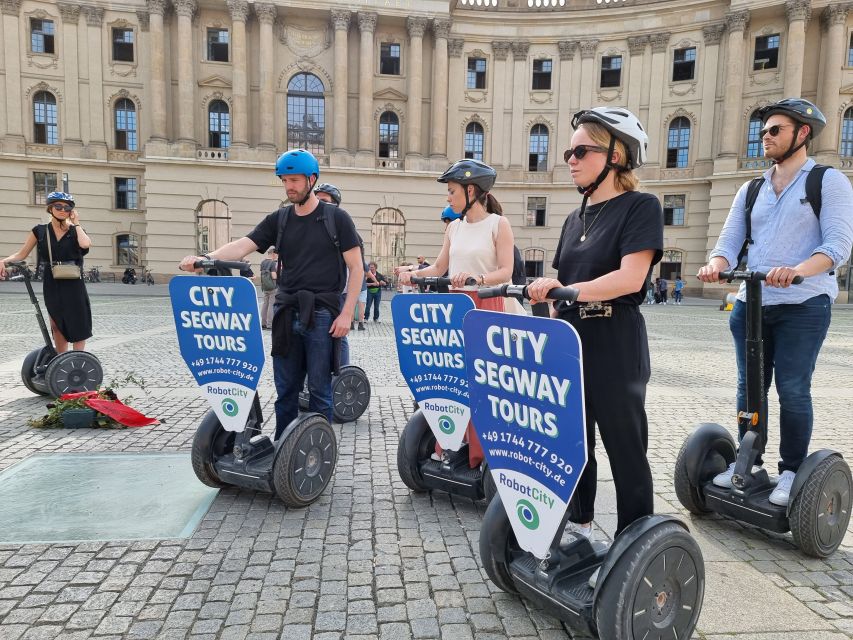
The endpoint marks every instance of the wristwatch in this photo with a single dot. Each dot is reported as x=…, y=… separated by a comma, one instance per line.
x=482, y=279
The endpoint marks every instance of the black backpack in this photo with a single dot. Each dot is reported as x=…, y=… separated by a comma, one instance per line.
x=519, y=274
x=814, y=183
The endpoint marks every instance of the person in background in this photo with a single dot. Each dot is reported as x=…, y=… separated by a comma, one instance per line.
x=375, y=282
x=269, y=269
x=663, y=286
x=677, y=288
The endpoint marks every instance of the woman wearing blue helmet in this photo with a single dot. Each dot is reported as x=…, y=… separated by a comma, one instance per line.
x=66, y=300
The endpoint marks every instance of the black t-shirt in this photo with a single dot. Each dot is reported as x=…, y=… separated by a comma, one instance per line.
x=625, y=224
x=310, y=260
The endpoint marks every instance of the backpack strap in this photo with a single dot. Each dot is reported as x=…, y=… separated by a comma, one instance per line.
x=751, y=196
x=284, y=214
x=814, y=185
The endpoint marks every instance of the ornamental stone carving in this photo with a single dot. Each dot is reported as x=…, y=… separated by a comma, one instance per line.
x=798, y=10
x=737, y=21
x=441, y=27
x=637, y=45
x=239, y=10
x=416, y=25
x=520, y=49
x=501, y=49
x=10, y=7
x=157, y=7
x=567, y=49
x=70, y=12
x=340, y=19
x=713, y=33
x=455, y=46
x=834, y=14
x=144, y=19
x=185, y=8
x=367, y=22
x=659, y=41
x=94, y=16
x=588, y=48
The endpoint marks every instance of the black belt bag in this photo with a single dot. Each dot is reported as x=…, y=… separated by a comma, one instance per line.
x=588, y=310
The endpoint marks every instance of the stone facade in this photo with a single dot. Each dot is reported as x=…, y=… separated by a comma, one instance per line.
x=387, y=94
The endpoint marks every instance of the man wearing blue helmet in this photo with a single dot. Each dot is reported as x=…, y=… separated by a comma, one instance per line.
x=317, y=243
x=448, y=215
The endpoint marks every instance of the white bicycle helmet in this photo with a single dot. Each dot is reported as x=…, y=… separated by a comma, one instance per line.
x=621, y=124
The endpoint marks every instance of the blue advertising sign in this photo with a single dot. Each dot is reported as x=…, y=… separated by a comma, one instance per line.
x=219, y=333
x=525, y=380
x=431, y=351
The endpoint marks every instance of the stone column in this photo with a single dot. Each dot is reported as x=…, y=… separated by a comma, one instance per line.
x=414, y=116
x=520, y=90
x=637, y=49
x=659, y=42
x=438, y=96
x=239, y=10
x=588, y=49
x=453, y=134
x=799, y=12
x=737, y=23
x=94, y=37
x=833, y=21
x=340, y=22
x=712, y=34
x=157, y=62
x=500, y=154
x=12, y=55
x=367, y=26
x=266, y=18
x=186, y=72
x=70, y=18
x=563, y=137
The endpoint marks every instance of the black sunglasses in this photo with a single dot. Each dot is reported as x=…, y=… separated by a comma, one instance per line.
x=773, y=131
x=62, y=207
x=581, y=150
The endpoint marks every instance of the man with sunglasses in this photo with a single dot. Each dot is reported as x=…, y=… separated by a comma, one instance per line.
x=788, y=240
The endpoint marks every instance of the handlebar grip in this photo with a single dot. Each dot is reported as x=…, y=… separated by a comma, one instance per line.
x=759, y=276
x=493, y=292
x=569, y=294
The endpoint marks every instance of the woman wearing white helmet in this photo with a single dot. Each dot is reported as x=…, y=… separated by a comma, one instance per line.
x=607, y=250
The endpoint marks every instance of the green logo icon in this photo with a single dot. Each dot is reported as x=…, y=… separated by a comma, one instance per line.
x=527, y=514
x=230, y=408
x=446, y=424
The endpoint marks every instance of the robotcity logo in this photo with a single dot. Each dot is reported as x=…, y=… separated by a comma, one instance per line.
x=230, y=408
x=446, y=424
x=527, y=514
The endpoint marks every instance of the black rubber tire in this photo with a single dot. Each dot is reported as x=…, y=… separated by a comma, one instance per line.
x=72, y=372
x=309, y=454
x=497, y=544
x=715, y=459
x=416, y=444
x=688, y=493
x=821, y=511
x=28, y=373
x=657, y=584
x=490, y=489
x=350, y=394
x=210, y=442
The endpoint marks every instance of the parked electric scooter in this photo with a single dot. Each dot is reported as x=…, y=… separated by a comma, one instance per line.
x=299, y=465
x=527, y=403
x=818, y=509
x=47, y=372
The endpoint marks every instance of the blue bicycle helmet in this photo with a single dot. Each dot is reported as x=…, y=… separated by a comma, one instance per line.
x=297, y=162
x=449, y=215
x=59, y=196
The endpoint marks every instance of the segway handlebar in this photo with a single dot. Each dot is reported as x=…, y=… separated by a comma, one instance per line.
x=569, y=294
x=754, y=276
x=244, y=268
x=440, y=283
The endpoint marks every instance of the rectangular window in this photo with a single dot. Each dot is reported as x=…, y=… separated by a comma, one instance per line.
x=541, y=75
x=684, y=64
x=476, y=73
x=126, y=193
x=536, y=211
x=43, y=183
x=673, y=210
x=611, y=71
x=766, y=52
x=389, y=59
x=534, y=268
x=122, y=45
x=850, y=52
x=41, y=35
x=217, y=45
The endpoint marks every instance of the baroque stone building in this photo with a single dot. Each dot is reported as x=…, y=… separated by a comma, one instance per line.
x=164, y=118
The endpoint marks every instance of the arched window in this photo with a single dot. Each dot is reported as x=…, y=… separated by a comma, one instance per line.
x=306, y=114
x=219, y=125
x=213, y=226
x=847, y=133
x=125, y=125
x=388, y=239
x=45, y=129
x=538, y=155
x=474, y=141
x=127, y=249
x=753, y=137
x=389, y=135
x=670, y=264
x=534, y=263
x=678, y=143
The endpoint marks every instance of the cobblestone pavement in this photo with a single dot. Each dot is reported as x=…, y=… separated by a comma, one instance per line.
x=370, y=559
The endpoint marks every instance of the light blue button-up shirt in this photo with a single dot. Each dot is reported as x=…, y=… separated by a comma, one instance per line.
x=786, y=232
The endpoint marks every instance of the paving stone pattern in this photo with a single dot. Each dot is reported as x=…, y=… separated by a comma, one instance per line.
x=371, y=560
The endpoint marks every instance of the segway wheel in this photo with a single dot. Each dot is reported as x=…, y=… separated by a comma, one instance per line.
x=417, y=443
x=821, y=511
x=72, y=372
x=498, y=546
x=28, y=372
x=688, y=493
x=306, y=462
x=350, y=394
x=490, y=489
x=211, y=442
x=655, y=589
x=705, y=453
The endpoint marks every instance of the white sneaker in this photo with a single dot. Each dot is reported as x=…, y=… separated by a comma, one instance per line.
x=724, y=479
x=580, y=530
x=782, y=492
x=593, y=579
x=435, y=456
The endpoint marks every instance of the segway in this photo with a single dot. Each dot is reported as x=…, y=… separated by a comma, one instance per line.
x=46, y=372
x=527, y=404
x=818, y=509
x=350, y=394
x=223, y=348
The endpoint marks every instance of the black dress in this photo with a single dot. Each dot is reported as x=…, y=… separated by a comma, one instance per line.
x=66, y=300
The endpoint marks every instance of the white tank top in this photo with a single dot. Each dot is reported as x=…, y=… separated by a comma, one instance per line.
x=473, y=246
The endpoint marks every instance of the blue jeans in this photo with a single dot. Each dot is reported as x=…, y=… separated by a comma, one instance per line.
x=793, y=335
x=373, y=299
x=310, y=353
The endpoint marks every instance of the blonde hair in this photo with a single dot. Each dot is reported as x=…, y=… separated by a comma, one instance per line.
x=624, y=178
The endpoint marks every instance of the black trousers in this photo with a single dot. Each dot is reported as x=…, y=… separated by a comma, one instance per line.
x=616, y=371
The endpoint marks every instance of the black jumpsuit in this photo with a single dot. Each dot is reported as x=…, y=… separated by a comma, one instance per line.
x=616, y=365
x=66, y=300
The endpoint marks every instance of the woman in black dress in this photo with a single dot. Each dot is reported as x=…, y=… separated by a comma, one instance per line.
x=66, y=300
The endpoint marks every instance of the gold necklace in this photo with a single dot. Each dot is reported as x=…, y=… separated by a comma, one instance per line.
x=598, y=213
